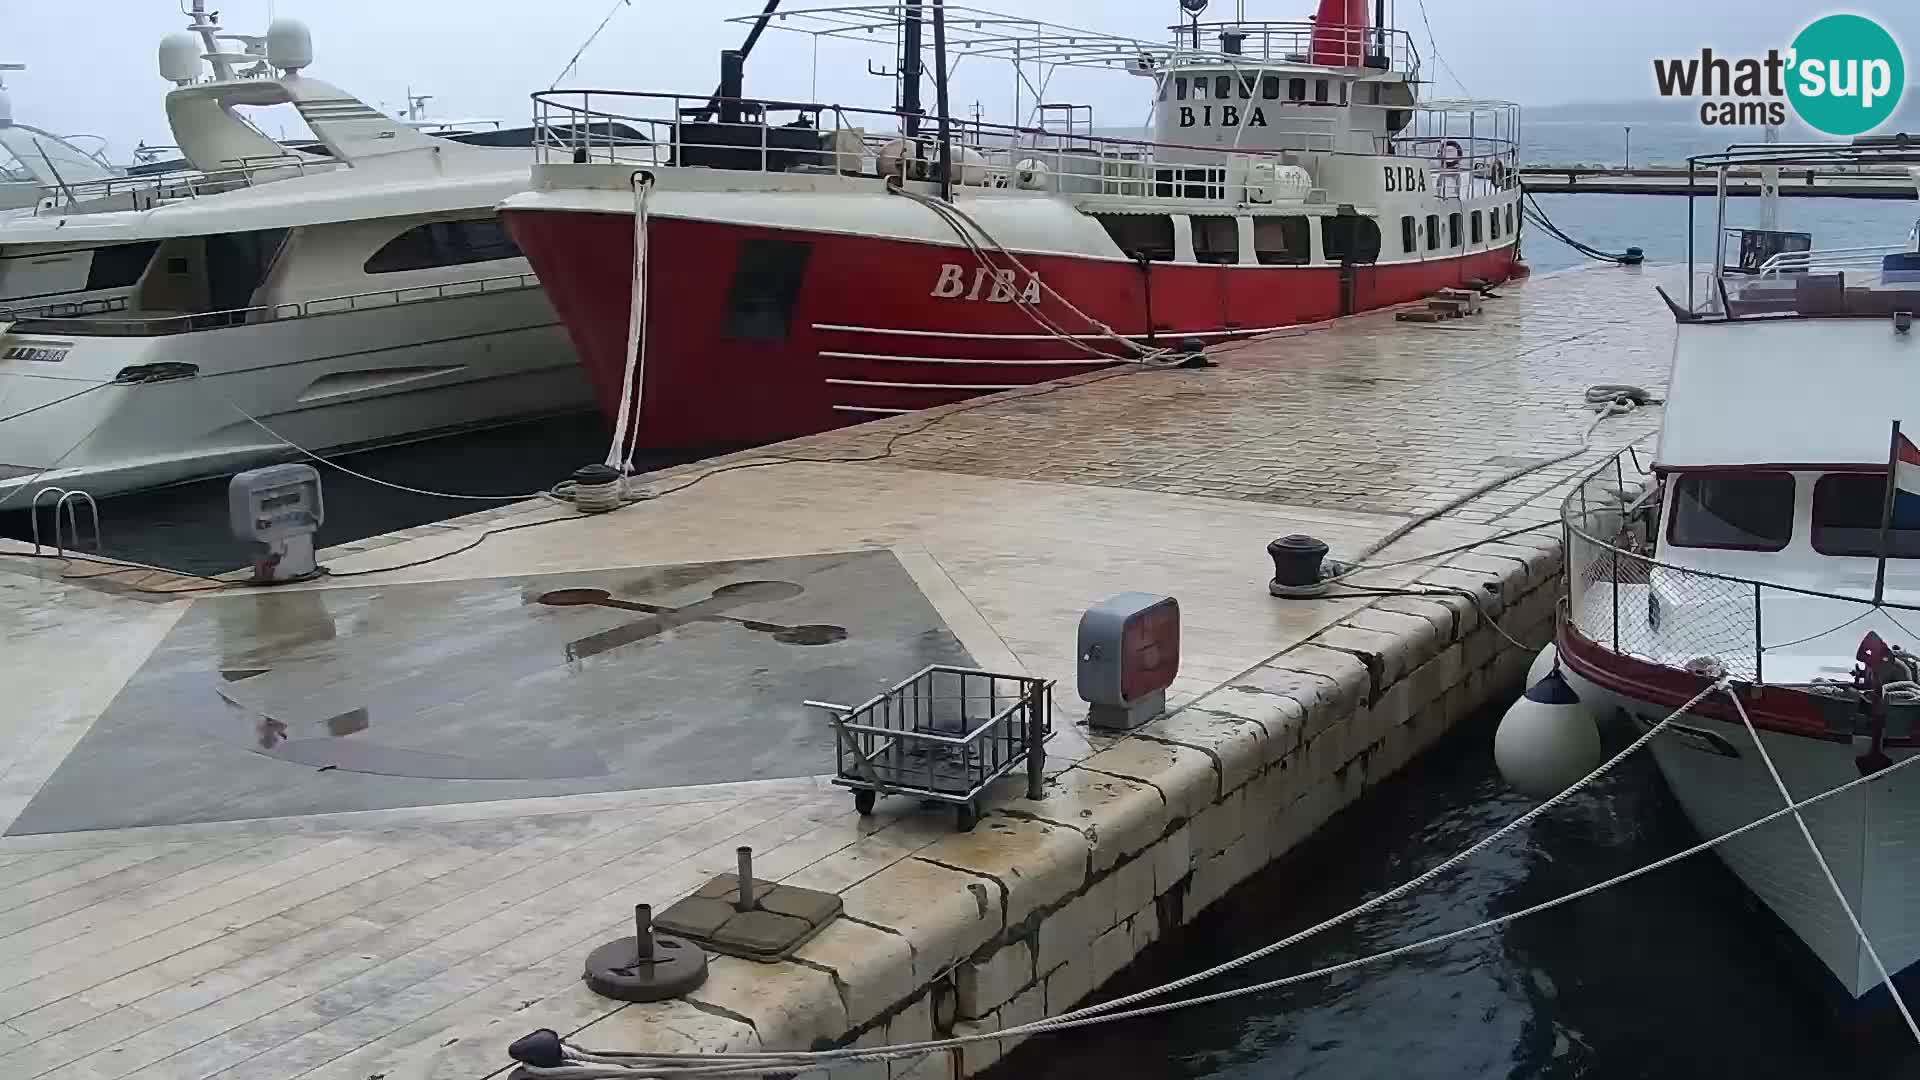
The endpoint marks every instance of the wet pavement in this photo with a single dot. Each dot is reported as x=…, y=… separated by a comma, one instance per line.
x=330, y=700
x=373, y=825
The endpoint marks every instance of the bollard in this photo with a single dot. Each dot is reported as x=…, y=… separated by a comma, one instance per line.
x=643, y=933
x=745, y=902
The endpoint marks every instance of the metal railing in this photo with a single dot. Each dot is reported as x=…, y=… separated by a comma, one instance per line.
x=146, y=191
x=162, y=325
x=578, y=127
x=1300, y=42
x=1633, y=604
x=1821, y=260
x=65, y=309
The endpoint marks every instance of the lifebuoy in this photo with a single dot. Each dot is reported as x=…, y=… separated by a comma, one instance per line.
x=1449, y=154
x=1498, y=174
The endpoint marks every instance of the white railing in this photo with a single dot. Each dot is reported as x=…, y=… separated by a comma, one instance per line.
x=600, y=127
x=1306, y=43
x=64, y=309
x=1827, y=260
x=145, y=191
x=157, y=326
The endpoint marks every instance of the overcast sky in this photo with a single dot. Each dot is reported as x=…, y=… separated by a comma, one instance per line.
x=92, y=68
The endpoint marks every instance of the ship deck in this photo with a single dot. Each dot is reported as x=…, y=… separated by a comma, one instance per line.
x=371, y=826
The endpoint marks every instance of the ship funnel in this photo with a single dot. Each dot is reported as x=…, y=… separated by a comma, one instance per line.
x=1340, y=33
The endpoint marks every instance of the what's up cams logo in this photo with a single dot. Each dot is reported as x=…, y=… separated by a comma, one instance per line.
x=1843, y=75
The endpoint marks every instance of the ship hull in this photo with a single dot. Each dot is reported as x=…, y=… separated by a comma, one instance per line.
x=758, y=333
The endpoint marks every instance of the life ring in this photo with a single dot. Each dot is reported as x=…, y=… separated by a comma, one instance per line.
x=1498, y=174
x=1449, y=154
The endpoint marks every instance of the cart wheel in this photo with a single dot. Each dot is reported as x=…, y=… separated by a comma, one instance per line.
x=966, y=817
x=863, y=802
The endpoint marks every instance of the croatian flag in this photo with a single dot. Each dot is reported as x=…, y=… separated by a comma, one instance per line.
x=1906, y=484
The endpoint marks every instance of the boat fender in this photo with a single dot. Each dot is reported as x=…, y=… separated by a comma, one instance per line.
x=1547, y=740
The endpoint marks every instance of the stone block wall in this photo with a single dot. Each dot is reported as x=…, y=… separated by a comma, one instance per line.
x=1045, y=901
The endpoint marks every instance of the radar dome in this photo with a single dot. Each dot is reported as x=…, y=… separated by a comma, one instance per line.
x=180, y=57
x=289, y=45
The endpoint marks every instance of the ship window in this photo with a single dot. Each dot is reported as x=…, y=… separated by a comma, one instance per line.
x=1408, y=231
x=1281, y=241
x=1846, y=518
x=444, y=243
x=1270, y=87
x=1509, y=219
x=1748, y=511
x=1216, y=239
x=1476, y=228
x=1453, y=229
x=1246, y=86
x=1433, y=231
x=1296, y=89
x=1180, y=88
x=121, y=265
x=1320, y=90
x=237, y=264
x=766, y=283
x=1136, y=235
x=1222, y=87
x=1493, y=224
x=1343, y=92
x=1350, y=238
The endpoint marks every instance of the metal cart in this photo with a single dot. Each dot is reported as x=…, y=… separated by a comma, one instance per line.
x=944, y=734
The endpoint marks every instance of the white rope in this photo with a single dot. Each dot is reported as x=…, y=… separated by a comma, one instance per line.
x=330, y=463
x=959, y=221
x=1838, y=893
x=610, y=1066
x=1069, y=1019
x=633, y=382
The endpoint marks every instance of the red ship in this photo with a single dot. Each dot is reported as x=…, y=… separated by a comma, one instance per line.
x=806, y=266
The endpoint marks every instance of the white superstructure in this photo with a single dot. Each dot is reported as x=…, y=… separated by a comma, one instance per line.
x=357, y=295
x=1764, y=544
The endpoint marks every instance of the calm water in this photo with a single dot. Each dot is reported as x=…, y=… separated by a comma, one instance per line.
x=1674, y=975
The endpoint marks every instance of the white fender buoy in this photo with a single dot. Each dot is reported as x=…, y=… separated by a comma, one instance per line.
x=1547, y=740
x=1545, y=661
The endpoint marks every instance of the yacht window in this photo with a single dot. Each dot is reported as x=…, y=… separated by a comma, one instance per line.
x=1149, y=235
x=1222, y=87
x=1453, y=229
x=1408, y=231
x=444, y=243
x=1246, y=86
x=1476, y=230
x=1350, y=238
x=1297, y=89
x=1270, y=87
x=1320, y=90
x=1433, y=231
x=1281, y=241
x=1216, y=239
x=120, y=266
x=1846, y=518
x=1180, y=88
x=1748, y=511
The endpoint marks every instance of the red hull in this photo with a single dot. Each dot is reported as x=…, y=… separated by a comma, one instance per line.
x=866, y=335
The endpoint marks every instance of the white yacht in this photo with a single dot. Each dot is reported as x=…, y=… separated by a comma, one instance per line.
x=361, y=295
x=34, y=161
x=1771, y=540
